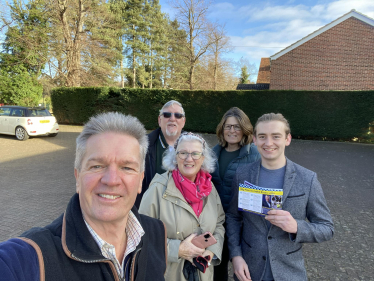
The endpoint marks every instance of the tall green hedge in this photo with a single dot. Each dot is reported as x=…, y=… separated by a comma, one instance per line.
x=334, y=114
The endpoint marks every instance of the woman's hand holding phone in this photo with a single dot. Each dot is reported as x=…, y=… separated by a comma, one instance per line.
x=188, y=251
x=204, y=240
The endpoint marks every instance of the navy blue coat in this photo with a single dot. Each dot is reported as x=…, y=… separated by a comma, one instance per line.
x=65, y=250
x=150, y=164
x=247, y=154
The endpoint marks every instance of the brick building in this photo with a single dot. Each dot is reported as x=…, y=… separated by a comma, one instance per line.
x=338, y=56
x=263, y=76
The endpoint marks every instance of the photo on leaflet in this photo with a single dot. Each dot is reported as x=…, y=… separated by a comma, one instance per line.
x=271, y=202
x=276, y=201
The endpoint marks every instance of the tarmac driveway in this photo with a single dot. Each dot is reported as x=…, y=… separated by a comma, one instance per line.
x=37, y=180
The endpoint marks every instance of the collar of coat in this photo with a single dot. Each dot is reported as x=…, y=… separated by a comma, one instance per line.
x=173, y=194
x=244, y=150
x=76, y=239
x=153, y=137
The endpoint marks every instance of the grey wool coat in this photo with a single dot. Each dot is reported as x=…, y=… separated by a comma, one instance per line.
x=249, y=236
x=164, y=201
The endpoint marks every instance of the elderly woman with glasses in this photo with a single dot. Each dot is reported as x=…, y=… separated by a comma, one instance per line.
x=185, y=199
x=234, y=148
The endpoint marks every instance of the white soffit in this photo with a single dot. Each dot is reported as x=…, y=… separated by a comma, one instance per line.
x=352, y=13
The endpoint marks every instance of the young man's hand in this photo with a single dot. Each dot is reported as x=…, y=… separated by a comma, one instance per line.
x=282, y=219
x=241, y=269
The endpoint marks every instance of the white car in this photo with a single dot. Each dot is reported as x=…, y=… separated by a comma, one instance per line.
x=24, y=122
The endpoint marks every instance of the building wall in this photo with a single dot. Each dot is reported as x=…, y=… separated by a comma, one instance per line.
x=341, y=58
x=264, y=71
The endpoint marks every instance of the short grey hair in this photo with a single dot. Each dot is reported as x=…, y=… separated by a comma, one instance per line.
x=171, y=103
x=169, y=161
x=111, y=122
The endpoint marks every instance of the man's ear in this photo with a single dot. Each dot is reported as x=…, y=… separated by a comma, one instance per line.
x=141, y=183
x=288, y=139
x=184, y=122
x=76, y=174
x=159, y=120
x=254, y=140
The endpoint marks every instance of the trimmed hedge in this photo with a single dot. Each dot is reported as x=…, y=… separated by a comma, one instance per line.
x=317, y=114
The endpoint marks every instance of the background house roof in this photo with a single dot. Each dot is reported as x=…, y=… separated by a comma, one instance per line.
x=352, y=13
x=263, y=86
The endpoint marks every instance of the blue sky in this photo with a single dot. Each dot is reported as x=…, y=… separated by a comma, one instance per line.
x=268, y=26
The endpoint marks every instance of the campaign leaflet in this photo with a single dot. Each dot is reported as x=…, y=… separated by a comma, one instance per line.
x=258, y=200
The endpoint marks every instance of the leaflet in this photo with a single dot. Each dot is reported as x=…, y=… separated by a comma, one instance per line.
x=258, y=200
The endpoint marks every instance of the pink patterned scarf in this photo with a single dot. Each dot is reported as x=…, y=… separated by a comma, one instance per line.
x=194, y=192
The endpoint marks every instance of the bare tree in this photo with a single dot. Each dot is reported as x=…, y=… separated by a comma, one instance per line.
x=220, y=44
x=191, y=15
x=225, y=79
x=79, y=34
x=72, y=36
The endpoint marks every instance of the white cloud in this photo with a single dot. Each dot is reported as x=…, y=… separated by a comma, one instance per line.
x=279, y=13
x=336, y=9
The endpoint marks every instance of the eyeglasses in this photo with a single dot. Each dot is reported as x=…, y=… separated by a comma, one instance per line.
x=184, y=155
x=228, y=127
x=176, y=115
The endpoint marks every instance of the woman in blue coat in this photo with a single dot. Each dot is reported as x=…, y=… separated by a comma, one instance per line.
x=234, y=148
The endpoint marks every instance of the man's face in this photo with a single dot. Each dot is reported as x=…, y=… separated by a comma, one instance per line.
x=271, y=141
x=267, y=198
x=110, y=178
x=171, y=126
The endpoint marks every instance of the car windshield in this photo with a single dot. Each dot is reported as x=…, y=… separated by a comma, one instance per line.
x=38, y=112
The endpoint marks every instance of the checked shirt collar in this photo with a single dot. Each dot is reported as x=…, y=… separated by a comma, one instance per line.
x=134, y=232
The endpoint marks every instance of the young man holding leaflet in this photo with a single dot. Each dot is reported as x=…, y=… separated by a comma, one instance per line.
x=270, y=248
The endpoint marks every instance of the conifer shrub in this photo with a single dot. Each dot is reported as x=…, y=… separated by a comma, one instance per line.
x=312, y=114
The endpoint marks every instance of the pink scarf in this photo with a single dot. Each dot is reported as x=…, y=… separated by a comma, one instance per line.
x=194, y=192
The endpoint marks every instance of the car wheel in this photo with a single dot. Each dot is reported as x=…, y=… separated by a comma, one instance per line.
x=21, y=134
x=52, y=135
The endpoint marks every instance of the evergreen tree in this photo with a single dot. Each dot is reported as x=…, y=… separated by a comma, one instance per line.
x=136, y=46
x=104, y=49
x=175, y=69
x=250, y=69
x=24, y=54
x=244, y=75
x=26, y=41
x=157, y=43
x=18, y=86
x=118, y=9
